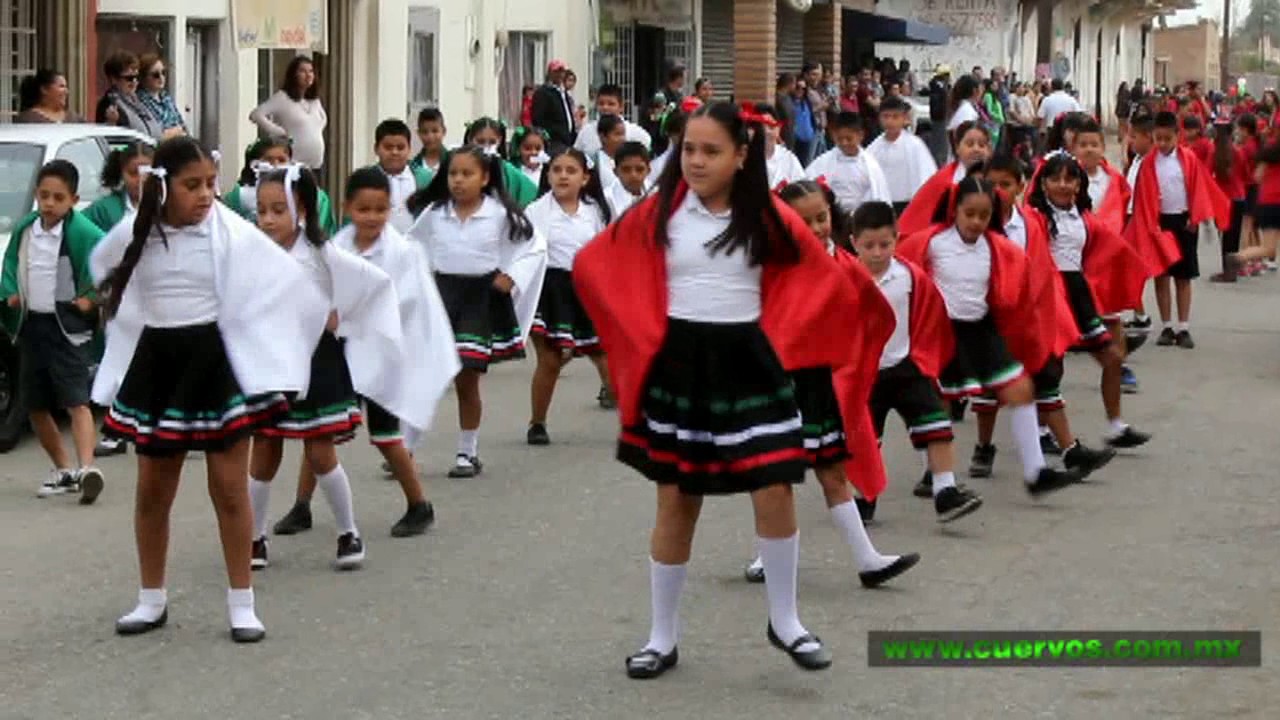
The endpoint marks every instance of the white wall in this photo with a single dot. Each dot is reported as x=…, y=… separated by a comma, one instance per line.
x=981, y=33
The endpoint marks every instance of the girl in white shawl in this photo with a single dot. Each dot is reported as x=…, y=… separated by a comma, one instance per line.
x=211, y=326
x=489, y=266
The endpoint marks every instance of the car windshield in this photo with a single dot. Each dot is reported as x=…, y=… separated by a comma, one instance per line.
x=19, y=163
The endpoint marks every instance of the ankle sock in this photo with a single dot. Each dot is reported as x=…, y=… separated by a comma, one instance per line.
x=337, y=490
x=780, y=557
x=666, y=584
x=151, y=605
x=240, y=609
x=865, y=555
x=259, y=500
x=1118, y=427
x=942, y=481
x=1184, y=327
x=1026, y=438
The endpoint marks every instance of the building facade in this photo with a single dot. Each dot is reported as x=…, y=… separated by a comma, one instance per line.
x=1189, y=53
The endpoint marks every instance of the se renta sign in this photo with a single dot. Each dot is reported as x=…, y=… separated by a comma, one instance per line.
x=281, y=24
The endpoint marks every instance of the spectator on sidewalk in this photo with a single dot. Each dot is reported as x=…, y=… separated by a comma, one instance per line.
x=156, y=98
x=120, y=104
x=294, y=111
x=552, y=110
x=1057, y=103
x=43, y=99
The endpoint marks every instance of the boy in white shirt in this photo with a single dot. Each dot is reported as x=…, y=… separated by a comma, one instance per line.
x=392, y=139
x=854, y=176
x=783, y=165
x=907, y=159
x=608, y=102
x=632, y=172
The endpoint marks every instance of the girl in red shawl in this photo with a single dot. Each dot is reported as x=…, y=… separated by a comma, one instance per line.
x=984, y=284
x=1230, y=167
x=971, y=144
x=1109, y=191
x=825, y=436
x=705, y=295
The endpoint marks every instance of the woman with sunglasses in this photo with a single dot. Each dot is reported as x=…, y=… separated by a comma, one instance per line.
x=120, y=105
x=151, y=91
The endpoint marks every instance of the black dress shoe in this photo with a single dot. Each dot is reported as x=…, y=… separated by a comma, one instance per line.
x=297, y=520
x=648, y=664
x=138, y=627
x=1051, y=480
x=247, y=635
x=876, y=578
x=1085, y=460
x=817, y=659
x=924, y=488
x=537, y=434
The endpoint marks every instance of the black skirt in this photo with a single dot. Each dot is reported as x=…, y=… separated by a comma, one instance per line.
x=982, y=361
x=180, y=394
x=719, y=413
x=330, y=408
x=561, y=319
x=824, y=438
x=483, y=318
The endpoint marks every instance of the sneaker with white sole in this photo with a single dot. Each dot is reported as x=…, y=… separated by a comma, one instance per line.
x=59, y=482
x=259, y=559
x=91, y=483
x=350, y=552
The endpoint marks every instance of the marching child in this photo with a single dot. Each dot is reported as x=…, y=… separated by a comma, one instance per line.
x=971, y=145
x=491, y=135
x=265, y=154
x=489, y=265
x=530, y=144
x=983, y=280
x=612, y=135
x=632, y=161
x=907, y=160
x=609, y=101
x=1230, y=168
x=121, y=177
x=391, y=145
x=1267, y=214
x=854, y=176
x=51, y=313
x=431, y=133
x=825, y=437
x=1173, y=195
x=1193, y=139
x=783, y=165
x=571, y=211
x=212, y=324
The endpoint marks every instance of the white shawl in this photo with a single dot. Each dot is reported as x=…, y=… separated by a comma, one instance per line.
x=409, y=377
x=270, y=314
x=839, y=171
x=919, y=167
x=525, y=262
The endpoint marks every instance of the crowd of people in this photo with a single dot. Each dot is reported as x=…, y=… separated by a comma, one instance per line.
x=756, y=300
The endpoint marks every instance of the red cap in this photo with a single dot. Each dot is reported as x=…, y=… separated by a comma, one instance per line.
x=555, y=65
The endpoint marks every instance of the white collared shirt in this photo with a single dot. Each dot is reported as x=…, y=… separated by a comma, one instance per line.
x=1173, y=184
x=1133, y=180
x=43, y=247
x=176, y=276
x=471, y=246
x=313, y=264
x=783, y=167
x=1067, y=244
x=403, y=184
x=962, y=272
x=589, y=138
x=897, y=159
x=848, y=175
x=620, y=199
x=375, y=253
x=896, y=285
x=566, y=234
x=703, y=287
x=1016, y=229
x=533, y=173
x=1099, y=183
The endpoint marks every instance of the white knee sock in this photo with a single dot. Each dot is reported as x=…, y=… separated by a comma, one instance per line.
x=469, y=442
x=924, y=459
x=240, y=609
x=781, y=557
x=411, y=436
x=337, y=490
x=151, y=605
x=259, y=500
x=1026, y=437
x=865, y=555
x=666, y=583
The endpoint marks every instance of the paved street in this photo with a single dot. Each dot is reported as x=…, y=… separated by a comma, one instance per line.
x=524, y=600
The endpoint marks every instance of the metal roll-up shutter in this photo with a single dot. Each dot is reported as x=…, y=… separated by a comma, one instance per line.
x=790, y=39
x=717, y=45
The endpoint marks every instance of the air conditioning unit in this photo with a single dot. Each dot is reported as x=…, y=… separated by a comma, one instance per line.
x=800, y=5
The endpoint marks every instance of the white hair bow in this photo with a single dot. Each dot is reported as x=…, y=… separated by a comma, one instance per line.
x=1060, y=152
x=591, y=163
x=292, y=173
x=161, y=174
x=491, y=150
x=542, y=158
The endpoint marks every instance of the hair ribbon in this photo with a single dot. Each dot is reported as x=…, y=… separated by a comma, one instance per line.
x=161, y=174
x=490, y=150
x=292, y=173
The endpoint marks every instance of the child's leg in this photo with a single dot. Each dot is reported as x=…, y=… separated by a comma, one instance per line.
x=83, y=433
x=157, y=486
x=839, y=495
x=1111, y=360
x=550, y=362
x=986, y=412
x=306, y=485
x=1183, y=288
x=47, y=432
x=1019, y=400
x=322, y=460
x=467, y=386
x=405, y=473
x=602, y=369
x=264, y=462
x=1163, y=298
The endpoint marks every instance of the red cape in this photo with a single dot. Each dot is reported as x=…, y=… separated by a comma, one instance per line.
x=816, y=312
x=1050, y=312
x=1158, y=248
x=1008, y=295
x=919, y=213
x=1114, y=209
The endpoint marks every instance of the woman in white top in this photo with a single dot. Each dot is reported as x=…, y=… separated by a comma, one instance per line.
x=294, y=111
x=489, y=265
x=963, y=103
x=704, y=295
x=211, y=324
x=571, y=211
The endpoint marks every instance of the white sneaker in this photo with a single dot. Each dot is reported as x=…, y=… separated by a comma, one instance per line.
x=60, y=482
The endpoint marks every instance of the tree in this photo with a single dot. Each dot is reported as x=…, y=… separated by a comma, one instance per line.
x=1263, y=17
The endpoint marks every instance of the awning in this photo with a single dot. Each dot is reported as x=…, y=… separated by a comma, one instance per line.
x=883, y=28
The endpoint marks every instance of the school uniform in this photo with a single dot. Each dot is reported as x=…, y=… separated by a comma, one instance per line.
x=588, y=140
x=1110, y=193
x=561, y=319
x=853, y=179
x=703, y=391
x=516, y=183
x=1267, y=213
x=908, y=164
x=620, y=199
x=533, y=173
x=1173, y=195
x=48, y=270
x=216, y=326
x=784, y=167
x=401, y=364
x=404, y=184
x=107, y=211
x=918, y=215
x=243, y=200
x=490, y=326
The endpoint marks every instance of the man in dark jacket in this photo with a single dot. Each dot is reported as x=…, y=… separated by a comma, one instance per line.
x=553, y=109
x=939, y=92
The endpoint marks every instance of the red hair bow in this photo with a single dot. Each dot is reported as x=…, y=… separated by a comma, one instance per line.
x=749, y=115
x=689, y=104
x=820, y=181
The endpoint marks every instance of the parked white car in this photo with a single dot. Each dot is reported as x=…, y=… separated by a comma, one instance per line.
x=24, y=149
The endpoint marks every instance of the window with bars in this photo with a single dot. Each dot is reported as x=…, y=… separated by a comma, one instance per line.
x=524, y=63
x=17, y=51
x=621, y=66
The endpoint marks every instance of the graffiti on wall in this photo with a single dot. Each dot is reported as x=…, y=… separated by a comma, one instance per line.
x=980, y=31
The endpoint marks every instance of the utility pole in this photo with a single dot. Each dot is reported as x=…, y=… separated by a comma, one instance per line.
x=1225, y=70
